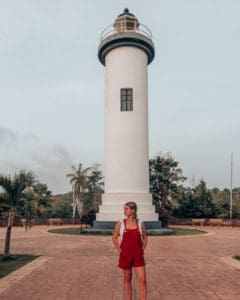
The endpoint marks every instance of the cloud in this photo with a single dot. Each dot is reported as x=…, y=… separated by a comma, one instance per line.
x=50, y=162
x=7, y=136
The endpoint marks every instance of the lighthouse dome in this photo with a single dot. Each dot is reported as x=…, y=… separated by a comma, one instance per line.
x=126, y=31
x=126, y=21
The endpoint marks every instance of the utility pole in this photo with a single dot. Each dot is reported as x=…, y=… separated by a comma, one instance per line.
x=231, y=180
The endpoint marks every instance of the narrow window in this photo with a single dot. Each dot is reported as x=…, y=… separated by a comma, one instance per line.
x=126, y=99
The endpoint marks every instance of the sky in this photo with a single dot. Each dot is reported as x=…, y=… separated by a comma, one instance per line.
x=52, y=85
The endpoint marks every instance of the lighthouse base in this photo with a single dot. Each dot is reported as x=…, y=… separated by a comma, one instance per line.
x=112, y=206
x=109, y=225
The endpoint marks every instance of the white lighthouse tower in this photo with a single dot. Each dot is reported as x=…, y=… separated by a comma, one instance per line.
x=126, y=49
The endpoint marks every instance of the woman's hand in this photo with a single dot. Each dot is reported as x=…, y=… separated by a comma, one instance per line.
x=144, y=237
x=115, y=236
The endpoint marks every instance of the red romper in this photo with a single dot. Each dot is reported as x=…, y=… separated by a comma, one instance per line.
x=131, y=249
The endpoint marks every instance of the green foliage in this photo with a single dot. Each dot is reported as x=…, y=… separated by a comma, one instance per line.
x=186, y=231
x=186, y=205
x=79, y=178
x=86, y=189
x=93, y=197
x=222, y=203
x=165, y=176
x=13, y=192
x=95, y=180
x=79, y=231
x=92, y=200
x=236, y=203
x=3, y=204
x=34, y=202
x=195, y=202
x=24, y=195
x=175, y=231
x=63, y=211
x=14, y=189
x=221, y=200
x=79, y=182
x=203, y=200
x=27, y=211
x=42, y=194
x=61, y=206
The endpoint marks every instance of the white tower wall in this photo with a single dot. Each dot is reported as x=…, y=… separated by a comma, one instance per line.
x=126, y=132
x=126, y=136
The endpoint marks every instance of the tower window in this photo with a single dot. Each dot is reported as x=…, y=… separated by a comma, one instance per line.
x=126, y=99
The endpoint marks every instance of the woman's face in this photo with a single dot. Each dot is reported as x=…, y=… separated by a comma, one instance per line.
x=128, y=211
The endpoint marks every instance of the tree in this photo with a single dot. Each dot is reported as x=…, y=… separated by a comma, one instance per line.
x=165, y=176
x=95, y=189
x=221, y=202
x=203, y=200
x=60, y=206
x=236, y=203
x=42, y=197
x=25, y=207
x=13, y=190
x=3, y=203
x=79, y=182
x=186, y=205
x=195, y=202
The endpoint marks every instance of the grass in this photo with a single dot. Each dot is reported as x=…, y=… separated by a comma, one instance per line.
x=177, y=232
x=187, y=231
x=237, y=257
x=76, y=231
x=11, y=264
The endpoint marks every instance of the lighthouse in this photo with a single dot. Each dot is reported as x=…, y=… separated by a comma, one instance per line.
x=125, y=50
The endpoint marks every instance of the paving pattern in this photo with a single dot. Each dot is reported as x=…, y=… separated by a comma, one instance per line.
x=85, y=267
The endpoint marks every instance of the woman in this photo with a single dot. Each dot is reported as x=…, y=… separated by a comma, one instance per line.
x=131, y=249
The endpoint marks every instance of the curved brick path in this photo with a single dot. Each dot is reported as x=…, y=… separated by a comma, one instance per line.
x=85, y=267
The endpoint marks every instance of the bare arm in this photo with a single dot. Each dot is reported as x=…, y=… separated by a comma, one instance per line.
x=144, y=236
x=115, y=236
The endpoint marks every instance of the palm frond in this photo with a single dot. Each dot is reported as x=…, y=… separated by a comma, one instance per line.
x=86, y=170
x=72, y=180
x=4, y=199
x=14, y=187
x=6, y=182
x=27, y=177
x=70, y=175
x=73, y=168
x=80, y=167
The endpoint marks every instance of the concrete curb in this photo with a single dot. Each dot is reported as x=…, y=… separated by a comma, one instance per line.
x=230, y=261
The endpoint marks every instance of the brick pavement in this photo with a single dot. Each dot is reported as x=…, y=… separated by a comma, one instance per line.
x=85, y=267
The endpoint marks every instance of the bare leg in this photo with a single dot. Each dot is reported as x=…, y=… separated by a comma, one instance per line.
x=141, y=278
x=128, y=283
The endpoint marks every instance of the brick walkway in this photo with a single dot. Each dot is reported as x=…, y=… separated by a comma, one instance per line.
x=85, y=267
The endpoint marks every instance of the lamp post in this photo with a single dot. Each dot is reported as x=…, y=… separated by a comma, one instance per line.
x=231, y=180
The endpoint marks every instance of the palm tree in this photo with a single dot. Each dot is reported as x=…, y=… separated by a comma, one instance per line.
x=79, y=182
x=43, y=197
x=95, y=187
x=12, y=192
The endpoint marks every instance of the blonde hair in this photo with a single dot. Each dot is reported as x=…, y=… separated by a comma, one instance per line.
x=132, y=205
